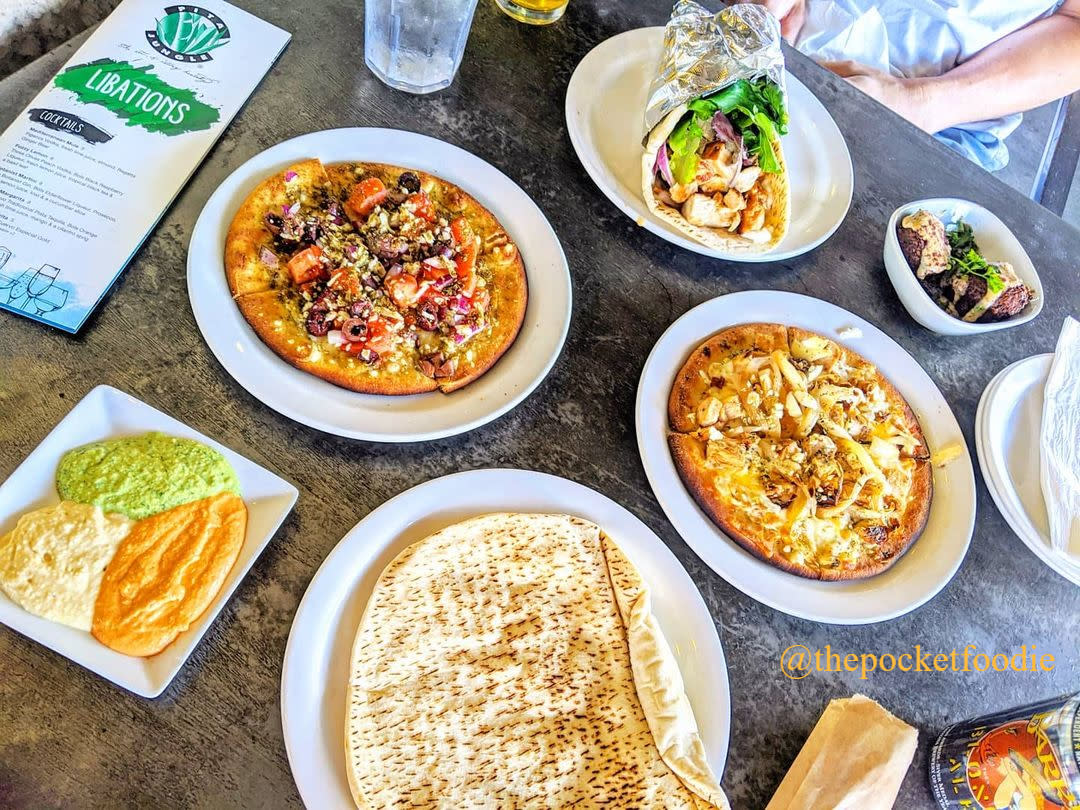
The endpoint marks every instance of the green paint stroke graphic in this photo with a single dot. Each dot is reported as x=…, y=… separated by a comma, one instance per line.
x=139, y=96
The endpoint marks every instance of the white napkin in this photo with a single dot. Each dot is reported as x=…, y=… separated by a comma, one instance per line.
x=1059, y=441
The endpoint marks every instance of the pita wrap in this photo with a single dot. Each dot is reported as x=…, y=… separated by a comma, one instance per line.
x=513, y=661
x=777, y=215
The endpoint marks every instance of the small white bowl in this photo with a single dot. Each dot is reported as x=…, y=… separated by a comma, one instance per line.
x=997, y=244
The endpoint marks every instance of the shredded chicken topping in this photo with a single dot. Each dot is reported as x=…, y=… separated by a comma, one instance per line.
x=810, y=449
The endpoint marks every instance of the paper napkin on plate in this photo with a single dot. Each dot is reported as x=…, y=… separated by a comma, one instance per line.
x=1059, y=442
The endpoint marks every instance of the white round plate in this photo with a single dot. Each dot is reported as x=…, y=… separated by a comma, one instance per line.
x=932, y=559
x=605, y=104
x=317, y=657
x=320, y=404
x=1007, y=427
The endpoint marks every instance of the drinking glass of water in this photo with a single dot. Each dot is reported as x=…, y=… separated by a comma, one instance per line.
x=416, y=45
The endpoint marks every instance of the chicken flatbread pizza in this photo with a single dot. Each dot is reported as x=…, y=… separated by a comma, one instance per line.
x=714, y=168
x=800, y=450
x=379, y=279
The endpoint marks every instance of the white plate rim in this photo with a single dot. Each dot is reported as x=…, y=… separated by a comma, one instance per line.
x=673, y=497
x=203, y=250
x=1001, y=492
x=153, y=688
x=647, y=220
x=400, y=505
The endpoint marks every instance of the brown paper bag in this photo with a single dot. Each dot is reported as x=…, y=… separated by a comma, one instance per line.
x=854, y=759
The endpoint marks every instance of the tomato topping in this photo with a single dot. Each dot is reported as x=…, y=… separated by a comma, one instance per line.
x=461, y=229
x=345, y=282
x=379, y=337
x=403, y=289
x=469, y=248
x=422, y=206
x=434, y=272
x=365, y=195
x=305, y=265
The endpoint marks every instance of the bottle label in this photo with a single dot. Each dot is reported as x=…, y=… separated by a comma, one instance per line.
x=1028, y=757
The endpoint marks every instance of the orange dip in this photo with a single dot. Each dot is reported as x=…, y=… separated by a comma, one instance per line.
x=166, y=572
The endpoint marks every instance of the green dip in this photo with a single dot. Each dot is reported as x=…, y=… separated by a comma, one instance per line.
x=142, y=475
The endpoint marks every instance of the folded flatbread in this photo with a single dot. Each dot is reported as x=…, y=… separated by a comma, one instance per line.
x=774, y=185
x=513, y=661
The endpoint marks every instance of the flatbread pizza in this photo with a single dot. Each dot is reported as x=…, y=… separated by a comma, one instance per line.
x=379, y=279
x=714, y=168
x=800, y=450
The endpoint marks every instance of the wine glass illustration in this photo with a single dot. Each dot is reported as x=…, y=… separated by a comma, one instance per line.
x=34, y=290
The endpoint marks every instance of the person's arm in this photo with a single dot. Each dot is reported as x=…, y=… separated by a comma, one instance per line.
x=1029, y=67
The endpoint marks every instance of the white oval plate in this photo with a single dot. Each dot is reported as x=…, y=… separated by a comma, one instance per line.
x=317, y=657
x=1007, y=427
x=930, y=562
x=319, y=404
x=605, y=103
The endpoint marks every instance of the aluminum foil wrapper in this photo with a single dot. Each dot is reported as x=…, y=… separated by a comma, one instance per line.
x=704, y=52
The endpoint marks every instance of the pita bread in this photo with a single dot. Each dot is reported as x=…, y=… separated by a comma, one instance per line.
x=776, y=218
x=513, y=661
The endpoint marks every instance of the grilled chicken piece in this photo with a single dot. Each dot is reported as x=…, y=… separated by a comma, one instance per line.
x=753, y=218
x=734, y=200
x=700, y=209
x=680, y=193
x=745, y=179
x=717, y=168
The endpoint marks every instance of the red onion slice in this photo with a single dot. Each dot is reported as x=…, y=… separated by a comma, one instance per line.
x=268, y=257
x=662, y=166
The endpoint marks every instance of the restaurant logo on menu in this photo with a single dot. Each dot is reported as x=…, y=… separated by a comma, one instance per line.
x=139, y=96
x=188, y=34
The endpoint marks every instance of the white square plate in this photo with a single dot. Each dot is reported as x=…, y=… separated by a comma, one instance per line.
x=107, y=413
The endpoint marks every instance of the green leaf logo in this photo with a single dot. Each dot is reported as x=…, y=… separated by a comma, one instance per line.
x=188, y=34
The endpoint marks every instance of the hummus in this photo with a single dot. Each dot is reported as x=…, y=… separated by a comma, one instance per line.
x=167, y=572
x=52, y=562
x=142, y=475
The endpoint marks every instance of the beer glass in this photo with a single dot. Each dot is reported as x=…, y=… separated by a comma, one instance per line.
x=534, y=12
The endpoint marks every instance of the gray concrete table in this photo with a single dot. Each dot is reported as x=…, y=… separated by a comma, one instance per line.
x=71, y=739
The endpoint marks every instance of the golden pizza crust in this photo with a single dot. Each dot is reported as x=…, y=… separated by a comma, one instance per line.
x=248, y=235
x=688, y=449
x=268, y=300
x=777, y=216
x=269, y=315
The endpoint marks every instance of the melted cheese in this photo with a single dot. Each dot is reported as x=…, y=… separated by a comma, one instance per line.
x=813, y=459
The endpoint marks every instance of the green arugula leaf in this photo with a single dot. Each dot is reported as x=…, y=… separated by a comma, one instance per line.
x=965, y=259
x=756, y=109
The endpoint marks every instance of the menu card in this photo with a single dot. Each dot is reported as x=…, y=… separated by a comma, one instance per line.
x=87, y=170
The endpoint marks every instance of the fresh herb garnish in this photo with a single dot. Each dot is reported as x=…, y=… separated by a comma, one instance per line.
x=965, y=259
x=755, y=108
